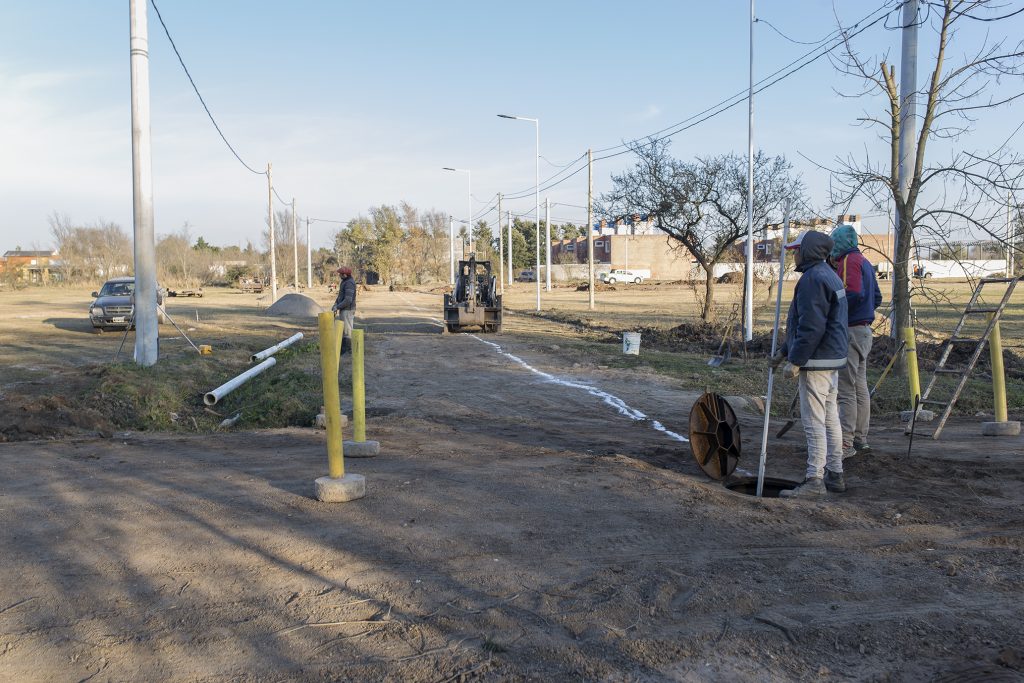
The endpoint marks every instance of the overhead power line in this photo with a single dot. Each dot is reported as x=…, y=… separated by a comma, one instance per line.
x=199, y=95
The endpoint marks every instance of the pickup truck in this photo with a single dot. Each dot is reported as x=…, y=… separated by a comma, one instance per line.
x=114, y=304
x=632, y=275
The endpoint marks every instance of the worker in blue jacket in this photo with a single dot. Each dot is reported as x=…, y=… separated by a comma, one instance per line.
x=815, y=350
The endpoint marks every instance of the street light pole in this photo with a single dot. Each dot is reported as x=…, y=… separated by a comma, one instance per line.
x=748, y=276
x=451, y=250
x=547, y=241
x=536, y=193
x=295, y=245
x=469, y=216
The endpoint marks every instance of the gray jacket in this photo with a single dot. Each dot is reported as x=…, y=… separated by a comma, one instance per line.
x=346, y=295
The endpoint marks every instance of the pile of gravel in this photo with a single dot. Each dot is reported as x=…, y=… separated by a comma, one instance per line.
x=295, y=306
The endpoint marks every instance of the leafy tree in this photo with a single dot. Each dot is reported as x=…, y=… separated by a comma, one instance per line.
x=482, y=239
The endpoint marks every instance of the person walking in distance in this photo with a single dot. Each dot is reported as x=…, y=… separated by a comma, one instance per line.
x=815, y=350
x=345, y=304
x=863, y=296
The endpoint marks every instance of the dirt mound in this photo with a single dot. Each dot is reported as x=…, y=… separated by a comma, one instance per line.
x=295, y=306
x=928, y=354
x=734, y=277
x=598, y=287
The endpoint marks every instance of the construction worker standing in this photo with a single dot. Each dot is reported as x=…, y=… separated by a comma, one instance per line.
x=815, y=350
x=345, y=304
x=863, y=296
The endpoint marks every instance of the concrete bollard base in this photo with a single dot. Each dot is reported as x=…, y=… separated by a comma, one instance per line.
x=321, y=421
x=1011, y=428
x=341, y=490
x=361, y=449
x=922, y=415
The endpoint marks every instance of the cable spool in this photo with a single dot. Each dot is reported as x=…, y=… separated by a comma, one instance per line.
x=714, y=436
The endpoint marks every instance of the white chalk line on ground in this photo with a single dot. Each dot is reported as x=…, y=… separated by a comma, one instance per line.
x=615, y=402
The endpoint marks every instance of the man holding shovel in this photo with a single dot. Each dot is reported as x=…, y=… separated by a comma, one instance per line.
x=815, y=350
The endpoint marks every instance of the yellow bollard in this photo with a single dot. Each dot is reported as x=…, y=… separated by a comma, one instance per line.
x=358, y=388
x=913, y=378
x=332, y=399
x=995, y=347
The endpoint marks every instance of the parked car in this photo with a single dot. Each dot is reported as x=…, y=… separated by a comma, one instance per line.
x=622, y=275
x=526, y=276
x=114, y=304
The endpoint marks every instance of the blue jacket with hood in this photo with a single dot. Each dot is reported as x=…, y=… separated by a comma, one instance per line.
x=816, y=336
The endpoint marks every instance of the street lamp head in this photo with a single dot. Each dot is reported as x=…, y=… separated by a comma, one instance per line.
x=447, y=168
x=507, y=116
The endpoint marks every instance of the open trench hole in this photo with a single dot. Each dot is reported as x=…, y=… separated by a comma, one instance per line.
x=772, y=486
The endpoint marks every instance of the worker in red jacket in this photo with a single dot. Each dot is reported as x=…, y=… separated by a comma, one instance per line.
x=862, y=296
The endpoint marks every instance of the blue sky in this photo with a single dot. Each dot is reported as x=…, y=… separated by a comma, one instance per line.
x=358, y=104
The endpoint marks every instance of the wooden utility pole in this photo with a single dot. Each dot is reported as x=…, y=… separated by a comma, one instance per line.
x=590, y=225
x=273, y=255
x=295, y=245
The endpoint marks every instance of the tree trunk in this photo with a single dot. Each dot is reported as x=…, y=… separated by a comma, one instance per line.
x=901, y=273
x=707, y=313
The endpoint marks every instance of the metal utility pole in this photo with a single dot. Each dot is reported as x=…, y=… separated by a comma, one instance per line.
x=273, y=253
x=147, y=337
x=547, y=240
x=508, y=221
x=451, y=250
x=501, y=251
x=590, y=225
x=748, y=277
x=536, y=199
x=295, y=245
x=908, y=126
x=309, y=259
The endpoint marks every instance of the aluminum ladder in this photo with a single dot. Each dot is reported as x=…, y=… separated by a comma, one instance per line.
x=972, y=308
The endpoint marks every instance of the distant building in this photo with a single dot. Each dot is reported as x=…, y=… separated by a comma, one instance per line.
x=36, y=267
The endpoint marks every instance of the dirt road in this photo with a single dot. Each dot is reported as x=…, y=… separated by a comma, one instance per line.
x=519, y=525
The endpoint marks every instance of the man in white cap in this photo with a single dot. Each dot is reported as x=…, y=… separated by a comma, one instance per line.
x=815, y=350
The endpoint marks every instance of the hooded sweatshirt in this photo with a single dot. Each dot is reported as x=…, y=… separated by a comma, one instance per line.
x=816, y=336
x=858, y=275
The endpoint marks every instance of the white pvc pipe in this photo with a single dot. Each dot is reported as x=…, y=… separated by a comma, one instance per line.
x=211, y=397
x=266, y=353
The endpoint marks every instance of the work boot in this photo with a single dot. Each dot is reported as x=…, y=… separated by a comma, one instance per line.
x=849, y=450
x=862, y=447
x=834, y=481
x=811, y=489
x=346, y=345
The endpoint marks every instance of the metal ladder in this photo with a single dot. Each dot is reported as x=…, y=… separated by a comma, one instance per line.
x=994, y=313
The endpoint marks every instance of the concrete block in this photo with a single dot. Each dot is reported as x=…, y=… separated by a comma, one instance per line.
x=1011, y=428
x=922, y=415
x=341, y=490
x=360, y=449
x=321, y=421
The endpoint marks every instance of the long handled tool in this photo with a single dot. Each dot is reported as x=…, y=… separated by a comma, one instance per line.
x=771, y=370
x=725, y=348
x=791, y=420
x=888, y=368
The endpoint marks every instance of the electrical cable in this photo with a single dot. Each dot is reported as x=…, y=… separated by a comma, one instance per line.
x=199, y=95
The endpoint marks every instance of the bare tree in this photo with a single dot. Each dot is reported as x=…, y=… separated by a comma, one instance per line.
x=966, y=192
x=700, y=204
x=66, y=245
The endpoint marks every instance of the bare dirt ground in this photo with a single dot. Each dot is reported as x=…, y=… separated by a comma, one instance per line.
x=514, y=529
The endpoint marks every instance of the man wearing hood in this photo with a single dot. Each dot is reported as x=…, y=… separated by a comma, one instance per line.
x=345, y=305
x=863, y=297
x=815, y=350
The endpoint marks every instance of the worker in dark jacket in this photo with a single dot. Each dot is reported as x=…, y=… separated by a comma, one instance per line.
x=345, y=305
x=862, y=296
x=815, y=350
